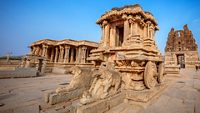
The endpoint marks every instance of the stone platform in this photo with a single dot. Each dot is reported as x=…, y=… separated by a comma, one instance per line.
x=144, y=95
x=19, y=73
x=172, y=69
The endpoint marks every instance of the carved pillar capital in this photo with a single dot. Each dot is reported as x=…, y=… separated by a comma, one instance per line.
x=84, y=48
x=104, y=23
x=61, y=47
x=148, y=22
x=138, y=17
x=124, y=16
x=67, y=47
x=131, y=20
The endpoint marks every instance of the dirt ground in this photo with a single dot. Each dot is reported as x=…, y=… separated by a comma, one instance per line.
x=23, y=95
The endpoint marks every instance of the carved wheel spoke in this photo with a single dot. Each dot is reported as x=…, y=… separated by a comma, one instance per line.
x=160, y=72
x=149, y=75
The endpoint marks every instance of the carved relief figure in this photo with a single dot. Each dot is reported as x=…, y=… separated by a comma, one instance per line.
x=80, y=79
x=106, y=83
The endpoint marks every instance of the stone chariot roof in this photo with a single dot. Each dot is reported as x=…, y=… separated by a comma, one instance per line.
x=129, y=10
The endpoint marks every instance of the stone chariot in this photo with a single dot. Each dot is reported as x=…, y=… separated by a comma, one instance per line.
x=127, y=64
x=128, y=41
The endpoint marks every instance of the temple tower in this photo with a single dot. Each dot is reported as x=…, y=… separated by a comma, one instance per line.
x=181, y=48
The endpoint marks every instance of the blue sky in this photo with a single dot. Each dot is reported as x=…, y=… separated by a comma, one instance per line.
x=25, y=21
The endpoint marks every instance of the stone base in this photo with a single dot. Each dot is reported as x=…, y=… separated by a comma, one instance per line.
x=144, y=95
x=55, y=98
x=19, y=73
x=102, y=106
x=64, y=107
x=172, y=69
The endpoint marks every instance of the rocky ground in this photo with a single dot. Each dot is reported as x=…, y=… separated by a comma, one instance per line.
x=182, y=95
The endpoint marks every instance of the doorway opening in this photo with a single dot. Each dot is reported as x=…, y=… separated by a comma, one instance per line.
x=120, y=35
x=181, y=60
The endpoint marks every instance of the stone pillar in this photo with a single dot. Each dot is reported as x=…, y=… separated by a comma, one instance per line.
x=52, y=55
x=66, y=57
x=117, y=38
x=83, y=54
x=77, y=53
x=37, y=52
x=148, y=29
x=72, y=56
x=40, y=51
x=44, y=66
x=44, y=50
x=153, y=33
x=61, y=55
x=28, y=63
x=33, y=50
x=131, y=30
x=87, y=54
x=56, y=55
x=135, y=28
x=112, y=36
x=102, y=36
x=145, y=31
x=126, y=29
x=106, y=34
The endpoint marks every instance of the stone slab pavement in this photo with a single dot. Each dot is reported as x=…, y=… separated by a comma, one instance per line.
x=181, y=96
x=23, y=95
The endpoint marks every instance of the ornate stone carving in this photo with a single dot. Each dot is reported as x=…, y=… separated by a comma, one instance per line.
x=80, y=79
x=106, y=83
x=150, y=74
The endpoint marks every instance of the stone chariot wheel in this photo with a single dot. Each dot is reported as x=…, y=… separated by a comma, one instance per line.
x=160, y=72
x=149, y=75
